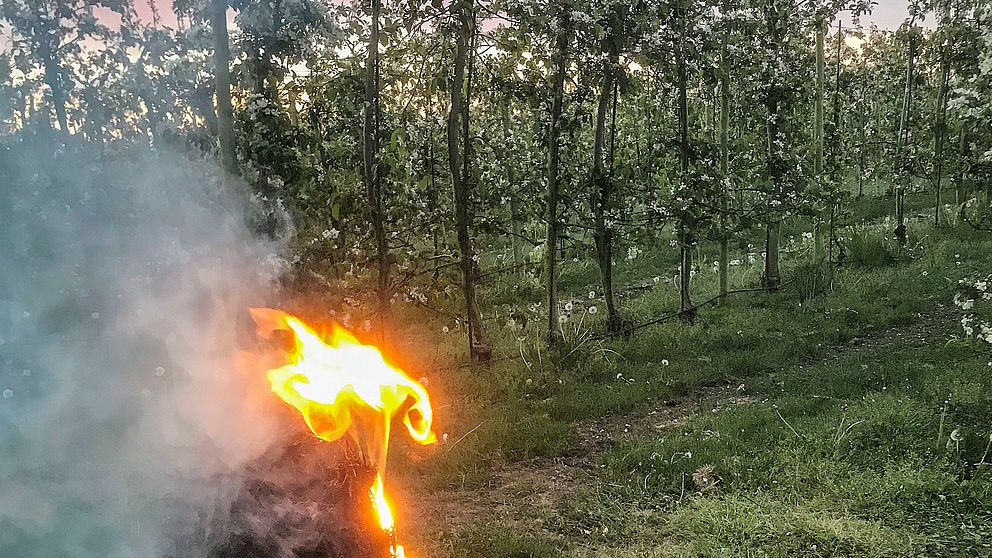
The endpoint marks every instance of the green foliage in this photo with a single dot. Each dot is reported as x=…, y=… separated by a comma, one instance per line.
x=810, y=279
x=867, y=248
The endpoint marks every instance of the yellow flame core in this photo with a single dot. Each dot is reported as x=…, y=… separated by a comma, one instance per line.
x=341, y=386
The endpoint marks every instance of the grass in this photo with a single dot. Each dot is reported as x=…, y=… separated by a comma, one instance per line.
x=858, y=439
x=839, y=457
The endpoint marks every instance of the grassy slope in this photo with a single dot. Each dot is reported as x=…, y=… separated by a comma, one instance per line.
x=846, y=456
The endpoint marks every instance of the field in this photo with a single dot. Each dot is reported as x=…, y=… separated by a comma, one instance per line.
x=850, y=422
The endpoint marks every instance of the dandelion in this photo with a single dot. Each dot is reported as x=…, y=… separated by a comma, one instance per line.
x=444, y=329
x=592, y=295
x=568, y=306
x=593, y=310
x=562, y=319
x=664, y=362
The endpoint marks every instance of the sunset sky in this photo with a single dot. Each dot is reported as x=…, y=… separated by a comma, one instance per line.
x=887, y=14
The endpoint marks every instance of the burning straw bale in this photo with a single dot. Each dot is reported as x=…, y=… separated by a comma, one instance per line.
x=308, y=499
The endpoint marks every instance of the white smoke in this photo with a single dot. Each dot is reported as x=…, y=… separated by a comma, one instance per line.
x=123, y=292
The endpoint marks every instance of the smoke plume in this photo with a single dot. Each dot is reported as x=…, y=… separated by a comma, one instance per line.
x=124, y=283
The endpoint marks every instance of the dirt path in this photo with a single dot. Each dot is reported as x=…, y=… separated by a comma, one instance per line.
x=527, y=495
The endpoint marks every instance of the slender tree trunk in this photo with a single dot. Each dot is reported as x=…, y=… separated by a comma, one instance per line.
x=685, y=217
x=554, y=153
x=903, y=136
x=962, y=161
x=461, y=178
x=861, y=137
x=818, y=142
x=724, y=171
x=372, y=176
x=603, y=197
x=940, y=120
x=835, y=152
x=835, y=136
x=516, y=226
x=54, y=80
x=222, y=78
x=776, y=163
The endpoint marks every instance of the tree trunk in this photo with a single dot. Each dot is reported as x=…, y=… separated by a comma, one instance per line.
x=558, y=97
x=861, y=137
x=516, y=226
x=685, y=216
x=53, y=77
x=818, y=142
x=904, y=123
x=835, y=153
x=962, y=161
x=835, y=136
x=372, y=177
x=461, y=178
x=603, y=184
x=940, y=120
x=776, y=163
x=724, y=172
x=222, y=77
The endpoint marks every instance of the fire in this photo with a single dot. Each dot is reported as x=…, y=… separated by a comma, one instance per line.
x=342, y=386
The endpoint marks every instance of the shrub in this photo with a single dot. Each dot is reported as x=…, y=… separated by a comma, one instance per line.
x=869, y=248
x=810, y=279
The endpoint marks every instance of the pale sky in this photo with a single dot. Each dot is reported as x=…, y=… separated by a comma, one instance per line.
x=887, y=14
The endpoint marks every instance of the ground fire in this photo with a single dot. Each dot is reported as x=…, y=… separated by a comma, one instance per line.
x=341, y=386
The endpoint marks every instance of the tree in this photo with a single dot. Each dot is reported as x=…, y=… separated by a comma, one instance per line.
x=562, y=41
x=222, y=76
x=901, y=161
x=461, y=171
x=776, y=14
x=372, y=171
x=603, y=182
x=724, y=169
x=818, y=140
x=49, y=31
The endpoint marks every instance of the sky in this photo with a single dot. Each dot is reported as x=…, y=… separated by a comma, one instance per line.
x=887, y=14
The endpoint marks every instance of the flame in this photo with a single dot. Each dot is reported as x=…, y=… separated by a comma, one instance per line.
x=341, y=386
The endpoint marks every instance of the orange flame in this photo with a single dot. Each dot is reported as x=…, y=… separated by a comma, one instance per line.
x=342, y=386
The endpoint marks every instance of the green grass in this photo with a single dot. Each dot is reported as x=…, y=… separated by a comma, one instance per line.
x=500, y=541
x=844, y=457
x=858, y=441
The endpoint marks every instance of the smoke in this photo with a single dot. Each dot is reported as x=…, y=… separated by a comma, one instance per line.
x=124, y=423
